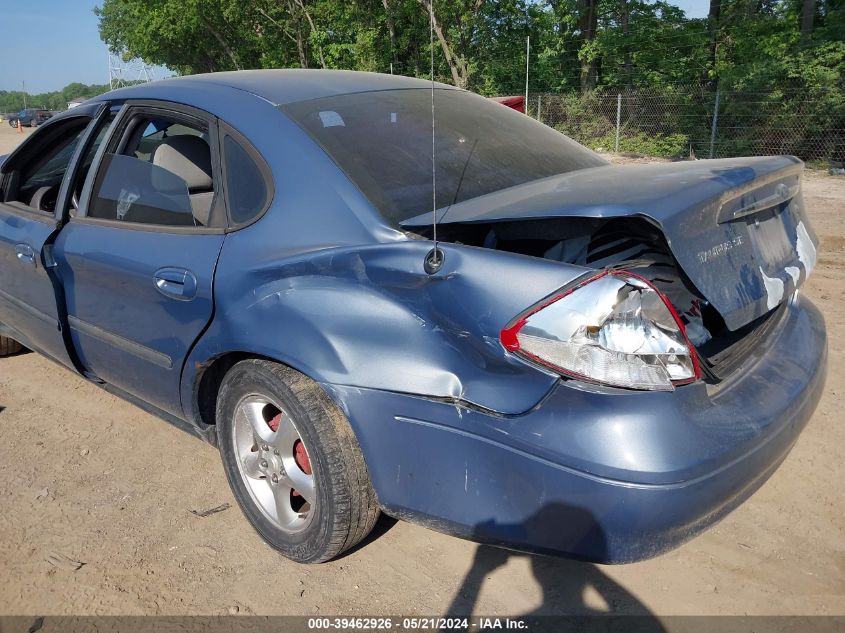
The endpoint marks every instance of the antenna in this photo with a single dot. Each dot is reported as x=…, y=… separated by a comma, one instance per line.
x=434, y=259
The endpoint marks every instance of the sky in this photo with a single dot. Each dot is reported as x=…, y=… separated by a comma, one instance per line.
x=51, y=43
x=693, y=8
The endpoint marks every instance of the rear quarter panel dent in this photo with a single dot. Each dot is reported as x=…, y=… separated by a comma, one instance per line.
x=370, y=317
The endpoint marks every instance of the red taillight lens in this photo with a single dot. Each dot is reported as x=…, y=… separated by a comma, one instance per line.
x=615, y=328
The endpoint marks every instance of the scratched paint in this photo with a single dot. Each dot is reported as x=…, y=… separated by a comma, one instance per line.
x=806, y=249
x=774, y=290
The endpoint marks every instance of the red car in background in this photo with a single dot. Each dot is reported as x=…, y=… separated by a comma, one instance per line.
x=516, y=103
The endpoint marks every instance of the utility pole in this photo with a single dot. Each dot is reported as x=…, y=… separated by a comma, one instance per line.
x=23, y=89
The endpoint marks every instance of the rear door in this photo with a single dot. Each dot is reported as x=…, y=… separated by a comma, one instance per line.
x=34, y=183
x=137, y=262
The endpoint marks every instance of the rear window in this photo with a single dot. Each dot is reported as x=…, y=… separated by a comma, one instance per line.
x=382, y=140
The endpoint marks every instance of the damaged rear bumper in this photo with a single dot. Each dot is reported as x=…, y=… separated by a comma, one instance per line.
x=598, y=474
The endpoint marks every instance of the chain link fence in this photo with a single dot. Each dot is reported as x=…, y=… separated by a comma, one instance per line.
x=700, y=122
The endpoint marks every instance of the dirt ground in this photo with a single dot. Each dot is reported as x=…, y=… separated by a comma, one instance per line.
x=89, y=477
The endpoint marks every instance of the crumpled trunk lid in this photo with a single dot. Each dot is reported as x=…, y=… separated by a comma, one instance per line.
x=737, y=227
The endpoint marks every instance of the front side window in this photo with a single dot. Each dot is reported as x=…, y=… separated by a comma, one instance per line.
x=382, y=140
x=36, y=182
x=161, y=176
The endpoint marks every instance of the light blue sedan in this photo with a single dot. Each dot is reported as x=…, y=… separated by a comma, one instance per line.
x=581, y=359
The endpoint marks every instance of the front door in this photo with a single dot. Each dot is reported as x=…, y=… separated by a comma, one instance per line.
x=32, y=181
x=137, y=262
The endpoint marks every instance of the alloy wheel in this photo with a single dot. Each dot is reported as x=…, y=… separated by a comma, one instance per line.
x=274, y=464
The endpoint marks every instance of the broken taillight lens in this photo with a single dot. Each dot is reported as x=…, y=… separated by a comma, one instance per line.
x=615, y=329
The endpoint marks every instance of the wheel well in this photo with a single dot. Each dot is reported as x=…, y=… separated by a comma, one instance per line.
x=210, y=377
x=208, y=385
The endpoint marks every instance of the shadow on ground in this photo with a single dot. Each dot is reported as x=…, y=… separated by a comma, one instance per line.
x=565, y=583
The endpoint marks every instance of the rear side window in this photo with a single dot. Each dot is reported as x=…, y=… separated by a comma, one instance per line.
x=246, y=190
x=162, y=176
x=133, y=190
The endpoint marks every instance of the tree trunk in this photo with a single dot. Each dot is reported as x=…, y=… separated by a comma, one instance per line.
x=296, y=39
x=301, y=49
x=219, y=37
x=625, y=21
x=301, y=4
x=588, y=23
x=457, y=66
x=713, y=26
x=808, y=15
x=391, y=28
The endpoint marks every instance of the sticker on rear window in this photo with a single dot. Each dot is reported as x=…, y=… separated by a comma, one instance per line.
x=330, y=118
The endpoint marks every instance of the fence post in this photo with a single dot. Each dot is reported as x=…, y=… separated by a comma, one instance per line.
x=527, y=58
x=539, y=104
x=715, y=123
x=618, y=118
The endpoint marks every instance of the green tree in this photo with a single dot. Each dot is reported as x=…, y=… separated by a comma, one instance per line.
x=579, y=45
x=13, y=101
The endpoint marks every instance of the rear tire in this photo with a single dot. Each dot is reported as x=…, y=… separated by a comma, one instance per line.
x=9, y=346
x=293, y=462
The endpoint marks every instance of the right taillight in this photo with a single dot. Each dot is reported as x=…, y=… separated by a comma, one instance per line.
x=615, y=329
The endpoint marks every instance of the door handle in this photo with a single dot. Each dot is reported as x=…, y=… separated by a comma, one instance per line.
x=176, y=283
x=25, y=254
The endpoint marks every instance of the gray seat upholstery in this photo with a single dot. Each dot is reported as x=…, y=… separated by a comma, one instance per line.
x=189, y=157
